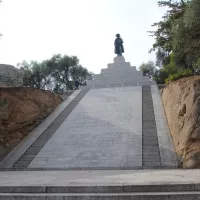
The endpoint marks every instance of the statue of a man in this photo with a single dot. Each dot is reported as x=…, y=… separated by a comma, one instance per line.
x=119, y=49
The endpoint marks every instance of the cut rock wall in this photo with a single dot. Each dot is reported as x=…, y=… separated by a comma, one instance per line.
x=10, y=76
x=181, y=100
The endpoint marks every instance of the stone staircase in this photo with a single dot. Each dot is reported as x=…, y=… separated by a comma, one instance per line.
x=119, y=74
x=150, y=146
x=151, y=158
x=99, y=185
x=177, y=195
x=110, y=140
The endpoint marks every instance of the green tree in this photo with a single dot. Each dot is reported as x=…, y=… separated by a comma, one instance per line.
x=164, y=29
x=186, y=41
x=65, y=69
x=54, y=73
x=59, y=67
x=148, y=69
x=34, y=74
x=161, y=74
x=80, y=73
x=177, y=40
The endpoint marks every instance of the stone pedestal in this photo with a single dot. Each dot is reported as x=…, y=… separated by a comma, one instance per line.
x=119, y=61
x=119, y=74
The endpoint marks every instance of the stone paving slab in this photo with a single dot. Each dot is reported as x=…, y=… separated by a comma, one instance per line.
x=103, y=131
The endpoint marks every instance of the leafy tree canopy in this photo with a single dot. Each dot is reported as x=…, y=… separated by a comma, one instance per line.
x=54, y=73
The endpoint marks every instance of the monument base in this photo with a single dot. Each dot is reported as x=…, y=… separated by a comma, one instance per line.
x=118, y=59
x=119, y=74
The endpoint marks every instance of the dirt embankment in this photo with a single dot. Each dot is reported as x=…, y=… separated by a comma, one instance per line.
x=181, y=101
x=21, y=110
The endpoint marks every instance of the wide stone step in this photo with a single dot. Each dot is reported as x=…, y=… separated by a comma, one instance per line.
x=105, y=184
x=180, y=188
x=151, y=154
x=23, y=162
x=107, y=196
x=21, y=165
x=106, y=84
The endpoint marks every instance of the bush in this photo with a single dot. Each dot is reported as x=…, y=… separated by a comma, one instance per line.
x=160, y=76
x=180, y=74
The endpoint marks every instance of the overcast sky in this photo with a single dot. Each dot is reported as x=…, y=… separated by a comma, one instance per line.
x=37, y=29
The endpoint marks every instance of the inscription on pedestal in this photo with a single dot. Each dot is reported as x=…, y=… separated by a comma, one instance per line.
x=102, y=116
x=109, y=99
x=99, y=140
x=85, y=119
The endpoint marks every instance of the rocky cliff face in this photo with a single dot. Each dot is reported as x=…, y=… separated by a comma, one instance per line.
x=10, y=76
x=181, y=100
x=21, y=110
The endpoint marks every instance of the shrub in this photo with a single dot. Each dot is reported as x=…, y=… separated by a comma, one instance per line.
x=180, y=74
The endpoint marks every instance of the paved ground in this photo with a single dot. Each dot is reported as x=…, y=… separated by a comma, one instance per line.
x=103, y=131
x=109, y=128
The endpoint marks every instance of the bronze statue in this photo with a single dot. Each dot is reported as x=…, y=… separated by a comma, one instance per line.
x=119, y=49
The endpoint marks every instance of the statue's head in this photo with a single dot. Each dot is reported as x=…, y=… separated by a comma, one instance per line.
x=118, y=35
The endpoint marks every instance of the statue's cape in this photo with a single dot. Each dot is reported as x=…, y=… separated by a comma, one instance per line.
x=118, y=43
